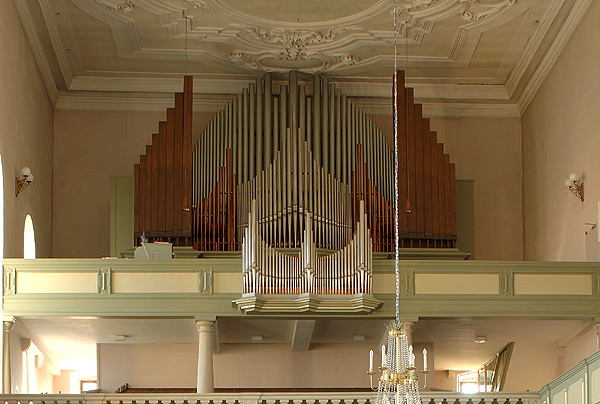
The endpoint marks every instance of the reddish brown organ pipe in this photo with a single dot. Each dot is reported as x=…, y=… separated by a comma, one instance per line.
x=148, y=193
x=401, y=141
x=435, y=187
x=448, y=197
x=188, y=95
x=442, y=190
x=162, y=183
x=411, y=164
x=154, y=182
x=419, y=173
x=136, y=202
x=170, y=170
x=427, y=181
x=178, y=167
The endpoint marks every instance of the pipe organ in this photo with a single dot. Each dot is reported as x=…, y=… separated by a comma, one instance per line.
x=290, y=156
x=268, y=271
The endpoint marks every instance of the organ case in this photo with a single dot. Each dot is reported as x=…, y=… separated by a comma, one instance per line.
x=297, y=149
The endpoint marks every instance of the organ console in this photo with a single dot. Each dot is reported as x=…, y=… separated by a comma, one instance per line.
x=293, y=156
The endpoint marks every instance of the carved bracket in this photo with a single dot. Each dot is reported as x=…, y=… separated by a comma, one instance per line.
x=104, y=281
x=507, y=283
x=10, y=281
x=407, y=282
x=205, y=281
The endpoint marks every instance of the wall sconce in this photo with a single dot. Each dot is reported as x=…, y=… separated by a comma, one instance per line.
x=574, y=185
x=21, y=184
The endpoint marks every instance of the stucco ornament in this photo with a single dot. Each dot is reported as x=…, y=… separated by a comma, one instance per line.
x=469, y=10
x=122, y=6
x=295, y=41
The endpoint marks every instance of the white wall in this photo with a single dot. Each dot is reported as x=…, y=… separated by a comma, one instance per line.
x=560, y=135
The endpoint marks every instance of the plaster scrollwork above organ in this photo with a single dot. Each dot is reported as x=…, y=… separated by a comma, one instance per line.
x=122, y=6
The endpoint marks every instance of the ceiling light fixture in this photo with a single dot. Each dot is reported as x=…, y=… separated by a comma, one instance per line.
x=480, y=339
x=21, y=184
x=574, y=185
x=399, y=382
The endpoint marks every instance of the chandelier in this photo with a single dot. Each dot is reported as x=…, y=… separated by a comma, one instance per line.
x=398, y=382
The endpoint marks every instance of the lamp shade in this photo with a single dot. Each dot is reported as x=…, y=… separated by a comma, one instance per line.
x=25, y=171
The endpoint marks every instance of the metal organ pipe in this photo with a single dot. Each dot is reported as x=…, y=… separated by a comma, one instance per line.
x=296, y=152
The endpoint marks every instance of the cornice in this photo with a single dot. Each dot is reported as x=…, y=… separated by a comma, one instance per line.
x=541, y=72
x=37, y=49
x=140, y=104
x=57, y=42
x=207, y=104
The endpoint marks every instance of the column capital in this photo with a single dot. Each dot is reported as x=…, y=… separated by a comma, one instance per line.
x=407, y=326
x=596, y=324
x=205, y=326
x=9, y=319
x=8, y=325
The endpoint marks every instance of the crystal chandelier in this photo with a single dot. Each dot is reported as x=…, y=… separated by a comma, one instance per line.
x=398, y=382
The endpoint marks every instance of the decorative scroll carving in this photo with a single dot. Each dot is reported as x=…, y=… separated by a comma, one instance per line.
x=122, y=6
x=436, y=10
x=295, y=41
x=199, y=4
x=104, y=281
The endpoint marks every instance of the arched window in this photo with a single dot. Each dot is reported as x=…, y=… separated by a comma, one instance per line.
x=28, y=239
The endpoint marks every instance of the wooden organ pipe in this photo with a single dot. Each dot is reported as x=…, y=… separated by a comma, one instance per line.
x=163, y=177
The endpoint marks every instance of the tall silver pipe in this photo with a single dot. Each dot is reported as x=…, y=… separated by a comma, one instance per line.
x=259, y=126
x=325, y=161
x=268, y=107
x=331, y=131
x=316, y=118
x=252, y=130
x=245, y=140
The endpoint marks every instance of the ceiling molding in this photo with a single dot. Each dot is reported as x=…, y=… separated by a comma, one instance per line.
x=446, y=109
x=532, y=46
x=37, y=50
x=140, y=104
x=230, y=84
x=378, y=106
x=57, y=42
x=541, y=72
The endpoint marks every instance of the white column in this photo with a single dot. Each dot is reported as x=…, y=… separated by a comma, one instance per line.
x=596, y=325
x=6, y=368
x=408, y=326
x=205, y=382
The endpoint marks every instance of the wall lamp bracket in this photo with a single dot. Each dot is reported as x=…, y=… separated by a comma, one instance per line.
x=574, y=185
x=21, y=184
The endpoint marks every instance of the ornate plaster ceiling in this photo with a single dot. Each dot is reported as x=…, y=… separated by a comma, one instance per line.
x=456, y=52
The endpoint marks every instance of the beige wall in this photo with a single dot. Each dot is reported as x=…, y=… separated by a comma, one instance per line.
x=560, y=135
x=146, y=365
x=581, y=348
x=26, y=138
x=91, y=147
x=488, y=150
x=236, y=365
